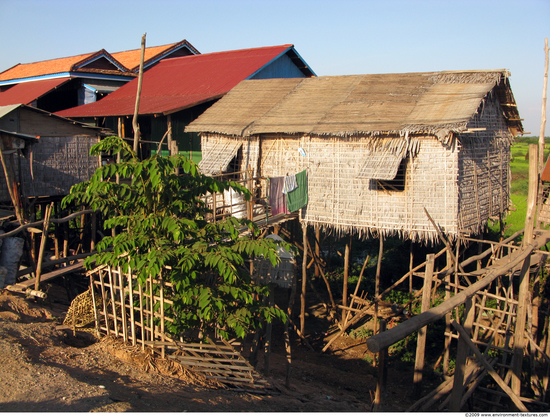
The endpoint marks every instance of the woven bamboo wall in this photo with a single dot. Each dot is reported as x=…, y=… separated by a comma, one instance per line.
x=57, y=164
x=484, y=168
x=340, y=201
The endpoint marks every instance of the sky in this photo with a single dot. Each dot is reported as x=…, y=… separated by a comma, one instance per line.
x=334, y=37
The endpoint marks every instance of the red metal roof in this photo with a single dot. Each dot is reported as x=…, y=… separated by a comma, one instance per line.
x=178, y=83
x=26, y=93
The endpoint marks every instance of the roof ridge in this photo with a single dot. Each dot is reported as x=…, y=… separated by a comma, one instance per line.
x=245, y=49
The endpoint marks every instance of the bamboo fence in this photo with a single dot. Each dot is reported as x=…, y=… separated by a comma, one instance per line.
x=138, y=313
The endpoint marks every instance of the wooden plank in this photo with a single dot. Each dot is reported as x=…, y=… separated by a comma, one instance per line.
x=24, y=285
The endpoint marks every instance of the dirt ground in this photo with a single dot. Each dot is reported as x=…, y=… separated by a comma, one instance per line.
x=47, y=369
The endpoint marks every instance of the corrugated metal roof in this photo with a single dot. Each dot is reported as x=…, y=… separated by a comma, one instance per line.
x=58, y=65
x=178, y=83
x=125, y=61
x=26, y=93
x=341, y=105
x=130, y=59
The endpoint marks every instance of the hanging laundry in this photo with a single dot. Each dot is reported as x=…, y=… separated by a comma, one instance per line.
x=290, y=183
x=297, y=198
x=277, y=199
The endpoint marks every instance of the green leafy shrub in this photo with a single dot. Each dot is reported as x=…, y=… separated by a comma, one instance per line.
x=160, y=219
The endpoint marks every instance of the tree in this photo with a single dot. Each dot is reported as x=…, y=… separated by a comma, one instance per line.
x=160, y=218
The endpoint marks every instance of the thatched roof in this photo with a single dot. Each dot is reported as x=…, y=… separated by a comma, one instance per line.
x=437, y=103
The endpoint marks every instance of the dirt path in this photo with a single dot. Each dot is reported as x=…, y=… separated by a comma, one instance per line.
x=46, y=369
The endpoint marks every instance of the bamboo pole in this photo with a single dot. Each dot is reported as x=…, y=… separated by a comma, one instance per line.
x=317, y=249
x=379, y=341
x=138, y=94
x=9, y=184
x=304, y=281
x=382, y=375
x=462, y=357
x=47, y=213
x=421, y=339
x=490, y=370
x=268, y=333
x=356, y=289
x=543, y=109
x=346, y=274
x=131, y=307
x=519, y=334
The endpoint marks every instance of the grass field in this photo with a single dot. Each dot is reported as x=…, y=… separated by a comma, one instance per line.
x=519, y=165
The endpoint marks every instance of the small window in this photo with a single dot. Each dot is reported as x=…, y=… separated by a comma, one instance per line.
x=398, y=183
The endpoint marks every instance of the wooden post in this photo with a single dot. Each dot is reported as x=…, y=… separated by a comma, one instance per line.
x=531, y=196
x=10, y=185
x=304, y=281
x=521, y=313
x=448, y=316
x=377, y=282
x=317, y=249
x=421, y=341
x=94, y=232
x=120, y=135
x=346, y=276
x=48, y=211
x=56, y=231
x=288, y=354
x=462, y=357
x=66, y=230
x=381, y=383
x=411, y=264
x=543, y=109
x=138, y=94
x=269, y=328
x=465, y=337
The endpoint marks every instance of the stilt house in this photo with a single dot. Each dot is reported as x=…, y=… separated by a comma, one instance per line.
x=43, y=154
x=379, y=150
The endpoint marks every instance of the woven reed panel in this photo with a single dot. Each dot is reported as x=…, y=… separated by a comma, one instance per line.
x=58, y=163
x=218, y=153
x=484, y=169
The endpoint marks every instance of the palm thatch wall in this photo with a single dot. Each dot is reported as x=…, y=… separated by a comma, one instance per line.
x=378, y=149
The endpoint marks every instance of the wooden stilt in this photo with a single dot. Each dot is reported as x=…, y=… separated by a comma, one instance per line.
x=421, y=340
x=381, y=382
x=519, y=334
x=377, y=284
x=448, y=318
x=462, y=357
x=411, y=275
x=317, y=249
x=304, y=282
x=288, y=351
x=43, y=240
x=56, y=231
x=346, y=275
x=269, y=328
x=465, y=337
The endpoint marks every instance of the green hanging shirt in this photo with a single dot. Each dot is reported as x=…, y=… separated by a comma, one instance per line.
x=297, y=198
